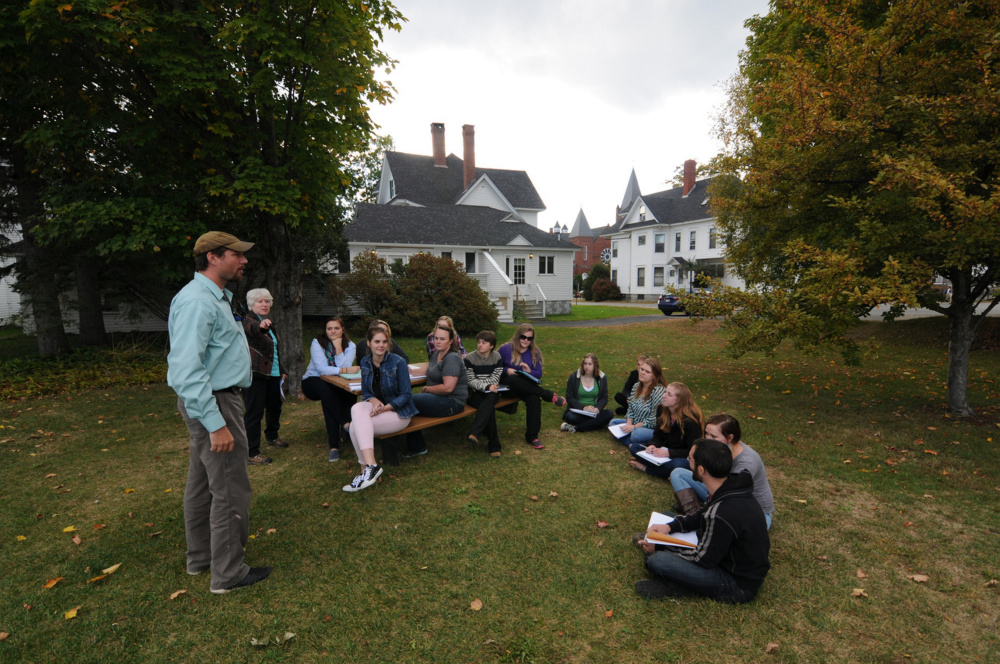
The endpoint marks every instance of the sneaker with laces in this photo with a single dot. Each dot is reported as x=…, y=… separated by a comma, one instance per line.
x=537, y=444
x=278, y=442
x=259, y=460
x=558, y=400
x=567, y=427
x=365, y=479
x=334, y=455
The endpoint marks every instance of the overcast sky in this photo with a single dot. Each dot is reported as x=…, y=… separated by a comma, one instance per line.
x=575, y=92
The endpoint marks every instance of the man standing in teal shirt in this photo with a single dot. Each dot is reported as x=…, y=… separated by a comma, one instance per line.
x=208, y=366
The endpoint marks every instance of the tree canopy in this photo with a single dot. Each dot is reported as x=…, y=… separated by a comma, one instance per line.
x=863, y=146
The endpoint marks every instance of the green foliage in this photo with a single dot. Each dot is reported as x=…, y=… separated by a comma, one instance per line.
x=868, y=146
x=434, y=286
x=598, y=271
x=605, y=289
x=369, y=285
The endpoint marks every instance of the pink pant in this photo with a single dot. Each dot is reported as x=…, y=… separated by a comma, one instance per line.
x=364, y=427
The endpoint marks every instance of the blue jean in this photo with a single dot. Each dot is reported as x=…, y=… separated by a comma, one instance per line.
x=436, y=405
x=640, y=436
x=664, y=470
x=712, y=582
x=683, y=478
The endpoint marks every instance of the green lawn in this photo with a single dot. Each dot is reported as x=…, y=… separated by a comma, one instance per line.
x=600, y=311
x=873, y=483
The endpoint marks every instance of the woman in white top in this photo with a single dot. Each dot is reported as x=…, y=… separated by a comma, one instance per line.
x=330, y=354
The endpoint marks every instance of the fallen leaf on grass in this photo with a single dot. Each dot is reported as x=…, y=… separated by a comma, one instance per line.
x=175, y=595
x=72, y=612
x=476, y=604
x=859, y=592
x=99, y=526
x=534, y=497
x=919, y=578
x=51, y=582
x=861, y=575
x=820, y=557
x=609, y=613
x=932, y=428
x=76, y=540
x=160, y=531
x=69, y=529
x=553, y=494
x=27, y=607
x=325, y=505
x=771, y=647
x=271, y=531
x=97, y=578
x=602, y=524
x=991, y=583
x=50, y=476
x=112, y=569
x=927, y=495
x=21, y=538
x=930, y=452
x=799, y=500
x=517, y=452
x=278, y=640
x=129, y=490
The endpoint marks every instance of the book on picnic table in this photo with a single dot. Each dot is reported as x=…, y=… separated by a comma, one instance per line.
x=680, y=540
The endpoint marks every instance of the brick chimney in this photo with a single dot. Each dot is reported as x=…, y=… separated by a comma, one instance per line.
x=469, y=156
x=689, y=170
x=437, y=142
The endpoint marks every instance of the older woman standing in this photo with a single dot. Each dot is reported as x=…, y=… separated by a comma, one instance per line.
x=264, y=394
x=330, y=354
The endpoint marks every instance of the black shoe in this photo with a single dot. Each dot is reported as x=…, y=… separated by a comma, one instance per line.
x=255, y=575
x=278, y=442
x=259, y=460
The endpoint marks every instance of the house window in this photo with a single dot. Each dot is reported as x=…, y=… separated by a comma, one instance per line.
x=642, y=214
x=640, y=277
x=392, y=189
x=712, y=238
x=546, y=265
x=657, y=276
x=614, y=249
x=518, y=270
x=470, y=262
x=693, y=241
x=446, y=254
x=642, y=240
x=673, y=273
x=677, y=241
x=614, y=276
x=659, y=243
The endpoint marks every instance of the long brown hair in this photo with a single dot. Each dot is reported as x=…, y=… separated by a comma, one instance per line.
x=515, y=347
x=686, y=408
x=654, y=366
x=324, y=340
x=453, y=348
x=597, y=365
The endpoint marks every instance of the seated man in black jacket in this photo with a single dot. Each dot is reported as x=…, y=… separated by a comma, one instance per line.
x=731, y=559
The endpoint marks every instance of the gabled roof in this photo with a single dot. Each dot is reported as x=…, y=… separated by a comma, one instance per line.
x=463, y=225
x=419, y=180
x=670, y=207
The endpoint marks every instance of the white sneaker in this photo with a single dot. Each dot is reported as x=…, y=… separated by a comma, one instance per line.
x=567, y=427
x=365, y=479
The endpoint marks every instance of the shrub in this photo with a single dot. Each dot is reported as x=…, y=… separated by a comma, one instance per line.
x=369, y=284
x=432, y=286
x=598, y=271
x=605, y=289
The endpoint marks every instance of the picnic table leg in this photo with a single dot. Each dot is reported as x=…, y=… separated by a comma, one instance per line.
x=390, y=450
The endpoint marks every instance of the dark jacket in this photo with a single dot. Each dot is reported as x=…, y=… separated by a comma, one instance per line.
x=261, y=347
x=679, y=444
x=573, y=389
x=732, y=533
x=630, y=382
x=396, y=388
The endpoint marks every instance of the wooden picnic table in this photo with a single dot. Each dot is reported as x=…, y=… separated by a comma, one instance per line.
x=418, y=376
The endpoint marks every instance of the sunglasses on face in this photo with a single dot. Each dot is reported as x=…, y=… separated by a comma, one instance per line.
x=527, y=338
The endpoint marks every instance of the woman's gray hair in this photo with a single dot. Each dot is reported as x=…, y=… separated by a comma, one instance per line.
x=255, y=294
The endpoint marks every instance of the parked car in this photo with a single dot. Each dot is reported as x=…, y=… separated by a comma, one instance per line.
x=668, y=304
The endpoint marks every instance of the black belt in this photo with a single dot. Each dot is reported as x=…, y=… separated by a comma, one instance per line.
x=234, y=389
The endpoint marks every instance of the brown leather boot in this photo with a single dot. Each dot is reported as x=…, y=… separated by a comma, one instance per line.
x=689, y=501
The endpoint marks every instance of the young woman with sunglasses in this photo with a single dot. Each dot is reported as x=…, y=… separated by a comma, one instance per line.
x=522, y=374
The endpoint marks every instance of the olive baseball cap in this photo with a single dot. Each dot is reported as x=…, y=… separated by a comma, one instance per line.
x=215, y=239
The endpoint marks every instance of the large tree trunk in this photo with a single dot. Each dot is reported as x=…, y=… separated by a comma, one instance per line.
x=88, y=290
x=284, y=279
x=961, y=334
x=43, y=292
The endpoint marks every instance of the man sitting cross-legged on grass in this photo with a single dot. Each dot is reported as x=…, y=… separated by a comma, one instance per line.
x=484, y=368
x=731, y=559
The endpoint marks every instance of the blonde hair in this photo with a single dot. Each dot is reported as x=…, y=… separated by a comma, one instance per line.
x=536, y=352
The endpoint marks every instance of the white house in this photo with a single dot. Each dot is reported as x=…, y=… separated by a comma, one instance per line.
x=662, y=239
x=485, y=218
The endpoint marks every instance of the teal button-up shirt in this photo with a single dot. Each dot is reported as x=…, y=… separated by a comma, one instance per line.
x=208, y=349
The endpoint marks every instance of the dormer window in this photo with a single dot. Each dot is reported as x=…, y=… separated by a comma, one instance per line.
x=392, y=189
x=642, y=213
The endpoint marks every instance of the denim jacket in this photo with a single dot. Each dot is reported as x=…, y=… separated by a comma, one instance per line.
x=395, y=384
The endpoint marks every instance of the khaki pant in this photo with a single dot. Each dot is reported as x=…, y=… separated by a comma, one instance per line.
x=217, y=498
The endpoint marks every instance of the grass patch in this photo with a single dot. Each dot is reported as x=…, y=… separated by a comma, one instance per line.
x=389, y=574
x=600, y=312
